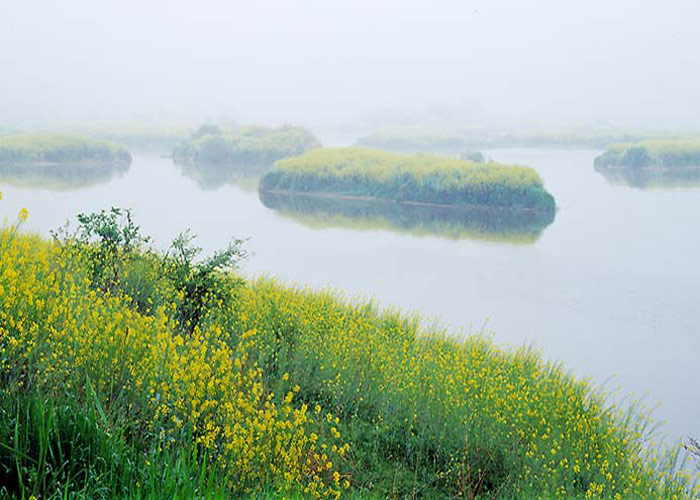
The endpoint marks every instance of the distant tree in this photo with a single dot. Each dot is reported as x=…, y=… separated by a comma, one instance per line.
x=213, y=149
x=473, y=156
x=207, y=129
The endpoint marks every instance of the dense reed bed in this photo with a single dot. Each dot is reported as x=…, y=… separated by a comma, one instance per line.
x=244, y=146
x=667, y=153
x=409, y=178
x=127, y=373
x=46, y=148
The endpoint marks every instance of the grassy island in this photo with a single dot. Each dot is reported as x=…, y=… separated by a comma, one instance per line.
x=652, y=153
x=41, y=149
x=244, y=146
x=476, y=223
x=129, y=373
x=373, y=174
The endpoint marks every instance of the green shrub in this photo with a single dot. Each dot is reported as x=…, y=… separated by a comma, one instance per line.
x=108, y=240
x=55, y=448
x=199, y=286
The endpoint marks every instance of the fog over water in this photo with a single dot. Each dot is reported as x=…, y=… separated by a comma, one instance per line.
x=629, y=63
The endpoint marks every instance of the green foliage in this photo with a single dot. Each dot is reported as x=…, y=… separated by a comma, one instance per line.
x=206, y=129
x=200, y=285
x=52, y=448
x=425, y=415
x=473, y=156
x=244, y=146
x=108, y=240
x=416, y=178
x=111, y=246
x=431, y=416
x=59, y=148
x=667, y=153
x=58, y=447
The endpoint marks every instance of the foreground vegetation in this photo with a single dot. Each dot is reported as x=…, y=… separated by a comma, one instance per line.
x=44, y=149
x=486, y=224
x=127, y=373
x=244, y=146
x=665, y=153
x=418, y=178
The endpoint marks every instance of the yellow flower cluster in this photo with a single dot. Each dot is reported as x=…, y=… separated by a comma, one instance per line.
x=464, y=401
x=471, y=415
x=58, y=334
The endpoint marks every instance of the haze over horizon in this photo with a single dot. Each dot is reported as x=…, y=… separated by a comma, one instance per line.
x=629, y=63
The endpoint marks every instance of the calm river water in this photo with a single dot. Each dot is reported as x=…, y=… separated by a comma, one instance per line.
x=610, y=288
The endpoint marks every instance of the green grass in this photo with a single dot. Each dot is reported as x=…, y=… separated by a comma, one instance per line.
x=420, y=412
x=244, y=146
x=58, y=448
x=666, y=153
x=39, y=148
x=409, y=178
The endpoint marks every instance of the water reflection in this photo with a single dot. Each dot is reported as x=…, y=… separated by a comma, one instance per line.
x=60, y=177
x=652, y=178
x=496, y=225
x=210, y=176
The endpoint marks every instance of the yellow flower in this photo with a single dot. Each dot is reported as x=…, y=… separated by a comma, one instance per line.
x=23, y=214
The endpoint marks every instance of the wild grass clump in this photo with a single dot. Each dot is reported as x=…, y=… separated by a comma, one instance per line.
x=244, y=146
x=416, y=178
x=666, y=153
x=107, y=393
x=39, y=148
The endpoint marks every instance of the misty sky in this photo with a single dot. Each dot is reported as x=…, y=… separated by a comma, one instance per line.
x=627, y=62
